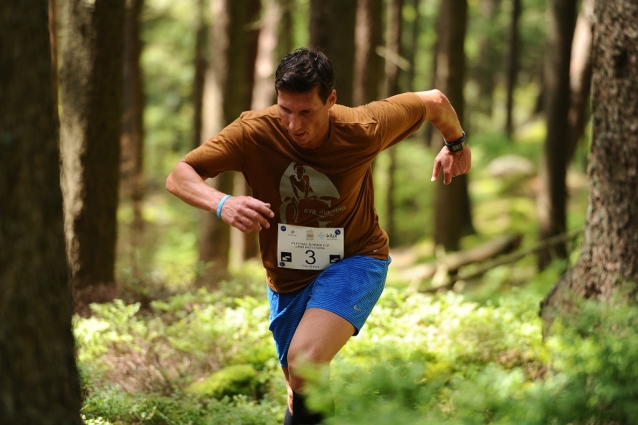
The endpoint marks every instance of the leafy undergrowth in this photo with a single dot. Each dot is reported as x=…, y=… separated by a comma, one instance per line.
x=419, y=359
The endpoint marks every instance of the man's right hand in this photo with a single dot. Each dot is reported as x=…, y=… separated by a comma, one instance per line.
x=246, y=213
x=242, y=212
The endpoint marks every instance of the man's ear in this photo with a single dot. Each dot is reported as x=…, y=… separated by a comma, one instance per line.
x=332, y=98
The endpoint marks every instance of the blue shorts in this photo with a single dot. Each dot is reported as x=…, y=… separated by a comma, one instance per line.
x=349, y=288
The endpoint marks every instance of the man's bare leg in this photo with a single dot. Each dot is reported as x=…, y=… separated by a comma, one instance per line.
x=318, y=338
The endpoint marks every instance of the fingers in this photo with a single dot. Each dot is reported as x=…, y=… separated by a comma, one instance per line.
x=437, y=169
x=247, y=214
x=452, y=164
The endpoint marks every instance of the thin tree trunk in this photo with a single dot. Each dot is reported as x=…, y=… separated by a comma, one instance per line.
x=392, y=87
x=90, y=141
x=200, y=63
x=53, y=37
x=489, y=58
x=552, y=197
x=368, y=63
x=580, y=76
x=284, y=46
x=512, y=66
x=132, y=138
x=332, y=30
x=228, y=92
x=410, y=48
x=263, y=96
x=608, y=262
x=39, y=382
x=453, y=218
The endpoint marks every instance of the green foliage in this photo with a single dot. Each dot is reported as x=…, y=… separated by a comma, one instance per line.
x=442, y=359
x=590, y=370
x=111, y=406
x=230, y=381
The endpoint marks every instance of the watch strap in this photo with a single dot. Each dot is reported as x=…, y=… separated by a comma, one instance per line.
x=456, y=145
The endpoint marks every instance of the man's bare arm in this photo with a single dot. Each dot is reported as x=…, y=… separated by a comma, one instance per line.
x=442, y=115
x=243, y=212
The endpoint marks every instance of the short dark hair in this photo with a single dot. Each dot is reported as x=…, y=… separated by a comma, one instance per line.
x=304, y=69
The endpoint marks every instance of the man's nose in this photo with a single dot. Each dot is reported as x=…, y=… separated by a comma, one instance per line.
x=295, y=123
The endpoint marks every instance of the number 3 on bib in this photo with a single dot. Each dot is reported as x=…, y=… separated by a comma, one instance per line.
x=309, y=248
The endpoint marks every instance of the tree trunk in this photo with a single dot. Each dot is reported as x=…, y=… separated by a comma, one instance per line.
x=552, y=196
x=512, y=66
x=580, y=76
x=608, y=262
x=332, y=30
x=53, y=38
x=132, y=138
x=263, y=96
x=90, y=141
x=228, y=92
x=39, y=382
x=200, y=65
x=368, y=63
x=392, y=87
x=284, y=45
x=452, y=206
x=489, y=60
x=410, y=47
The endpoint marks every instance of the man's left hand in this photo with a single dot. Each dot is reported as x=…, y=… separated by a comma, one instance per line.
x=452, y=164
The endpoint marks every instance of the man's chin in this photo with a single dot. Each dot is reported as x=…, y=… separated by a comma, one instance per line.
x=301, y=140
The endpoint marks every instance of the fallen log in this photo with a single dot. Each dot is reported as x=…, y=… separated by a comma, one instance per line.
x=450, y=263
x=506, y=259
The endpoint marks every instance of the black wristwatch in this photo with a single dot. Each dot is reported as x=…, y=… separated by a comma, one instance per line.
x=456, y=145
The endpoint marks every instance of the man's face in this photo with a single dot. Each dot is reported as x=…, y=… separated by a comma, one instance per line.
x=306, y=117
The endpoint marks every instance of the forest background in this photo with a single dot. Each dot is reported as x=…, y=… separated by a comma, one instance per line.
x=168, y=307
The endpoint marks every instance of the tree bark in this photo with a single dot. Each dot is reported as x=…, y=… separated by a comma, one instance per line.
x=580, y=76
x=552, y=196
x=512, y=66
x=228, y=92
x=200, y=65
x=393, y=50
x=263, y=96
x=368, y=65
x=453, y=218
x=39, y=382
x=285, y=43
x=132, y=137
x=53, y=38
x=332, y=30
x=608, y=262
x=489, y=60
x=90, y=140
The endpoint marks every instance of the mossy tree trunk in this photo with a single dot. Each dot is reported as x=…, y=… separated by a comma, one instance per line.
x=608, y=263
x=39, y=381
x=91, y=82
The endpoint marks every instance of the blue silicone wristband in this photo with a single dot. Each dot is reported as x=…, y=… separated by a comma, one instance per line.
x=221, y=204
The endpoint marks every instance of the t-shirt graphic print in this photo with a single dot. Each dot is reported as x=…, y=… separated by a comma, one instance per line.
x=307, y=197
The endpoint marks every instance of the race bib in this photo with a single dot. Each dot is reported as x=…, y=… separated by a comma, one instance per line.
x=309, y=248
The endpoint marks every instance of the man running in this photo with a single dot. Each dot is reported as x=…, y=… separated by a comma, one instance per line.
x=326, y=257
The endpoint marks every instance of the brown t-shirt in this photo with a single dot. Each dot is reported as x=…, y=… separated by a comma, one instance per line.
x=330, y=186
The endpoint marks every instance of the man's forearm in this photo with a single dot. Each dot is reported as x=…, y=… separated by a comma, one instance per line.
x=441, y=114
x=190, y=187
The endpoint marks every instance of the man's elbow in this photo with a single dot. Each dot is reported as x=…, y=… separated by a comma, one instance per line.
x=170, y=184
